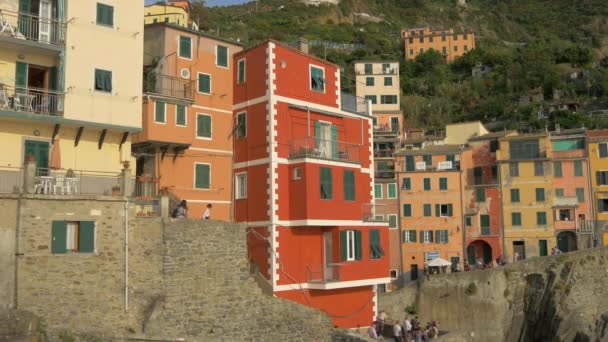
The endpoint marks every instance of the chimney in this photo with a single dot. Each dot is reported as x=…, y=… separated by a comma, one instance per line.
x=303, y=44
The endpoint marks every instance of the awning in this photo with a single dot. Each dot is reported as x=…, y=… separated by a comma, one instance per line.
x=438, y=262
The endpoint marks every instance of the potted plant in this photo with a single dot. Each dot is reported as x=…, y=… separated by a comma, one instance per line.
x=116, y=190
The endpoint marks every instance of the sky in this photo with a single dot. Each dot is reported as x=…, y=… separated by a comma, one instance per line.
x=212, y=3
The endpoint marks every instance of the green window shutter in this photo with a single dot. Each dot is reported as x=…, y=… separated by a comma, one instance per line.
x=427, y=210
x=25, y=6
x=431, y=235
x=241, y=71
x=467, y=221
x=580, y=194
x=437, y=210
x=542, y=247
x=484, y=220
x=407, y=210
x=40, y=151
x=53, y=78
x=242, y=125
x=326, y=186
x=480, y=195
x=428, y=159
x=202, y=176
x=374, y=244
x=185, y=47
x=392, y=221
x=25, y=22
x=413, y=236
x=203, y=126
x=443, y=183
x=378, y=191
x=334, y=141
x=21, y=75
x=422, y=236
x=516, y=219
x=349, y=185
x=557, y=167
x=407, y=183
x=222, y=56
x=343, y=242
x=450, y=210
x=204, y=83
x=369, y=81
x=317, y=133
x=58, y=237
x=514, y=195
x=358, y=245
x=542, y=218
x=86, y=237
x=410, y=164
x=603, y=150
x=427, y=184
x=180, y=115
x=450, y=157
x=159, y=115
x=578, y=168
x=559, y=192
x=388, y=81
x=540, y=194
x=392, y=190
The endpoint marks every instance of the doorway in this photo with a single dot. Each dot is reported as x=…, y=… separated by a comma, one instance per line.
x=44, y=23
x=566, y=241
x=328, y=255
x=542, y=247
x=394, y=124
x=413, y=272
x=519, y=247
x=40, y=151
x=471, y=255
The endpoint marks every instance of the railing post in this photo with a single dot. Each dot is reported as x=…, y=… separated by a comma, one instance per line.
x=29, y=176
x=126, y=182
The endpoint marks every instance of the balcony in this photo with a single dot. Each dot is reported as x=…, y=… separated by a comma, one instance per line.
x=485, y=178
x=311, y=147
x=385, y=153
x=169, y=86
x=31, y=100
x=28, y=27
x=485, y=231
x=423, y=166
x=323, y=273
x=354, y=104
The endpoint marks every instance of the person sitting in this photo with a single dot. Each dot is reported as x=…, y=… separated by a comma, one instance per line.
x=182, y=210
x=371, y=331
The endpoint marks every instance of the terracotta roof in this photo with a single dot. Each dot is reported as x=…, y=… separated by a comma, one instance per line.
x=493, y=135
x=200, y=33
x=286, y=46
x=597, y=133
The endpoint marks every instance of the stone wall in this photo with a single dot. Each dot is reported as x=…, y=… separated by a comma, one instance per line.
x=8, y=224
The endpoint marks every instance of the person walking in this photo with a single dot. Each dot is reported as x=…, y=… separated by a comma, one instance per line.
x=207, y=214
x=380, y=319
x=397, y=331
x=407, y=329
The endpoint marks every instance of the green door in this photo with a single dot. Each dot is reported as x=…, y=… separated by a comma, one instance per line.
x=40, y=151
x=542, y=247
x=25, y=22
x=471, y=255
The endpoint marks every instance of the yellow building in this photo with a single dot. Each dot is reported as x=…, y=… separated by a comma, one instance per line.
x=527, y=197
x=598, y=164
x=173, y=12
x=70, y=83
x=451, y=45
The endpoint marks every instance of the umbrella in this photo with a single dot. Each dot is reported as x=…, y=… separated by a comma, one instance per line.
x=439, y=262
x=55, y=160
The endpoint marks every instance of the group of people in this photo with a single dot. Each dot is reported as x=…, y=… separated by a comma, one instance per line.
x=410, y=330
x=182, y=211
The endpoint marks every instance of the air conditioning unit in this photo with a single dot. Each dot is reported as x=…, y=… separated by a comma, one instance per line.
x=185, y=73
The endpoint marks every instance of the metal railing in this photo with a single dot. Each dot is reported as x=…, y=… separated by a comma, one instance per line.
x=147, y=207
x=311, y=147
x=385, y=153
x=71, y=182
x=353, y=104
x=169, y=86
x=31, y=100
x=31, y=27
x=145, y=187
x=11, y=179
x=586, y=226
x=323, y=273
x=485, y=231
x=483, y=179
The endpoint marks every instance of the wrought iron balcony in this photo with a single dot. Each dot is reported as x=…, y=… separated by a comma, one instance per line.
x=31, y=100
x=169, y=86
x=311, y=147
x=26, y=26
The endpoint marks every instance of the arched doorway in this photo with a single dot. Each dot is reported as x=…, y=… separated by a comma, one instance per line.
x=566, y=241
x=477, y=250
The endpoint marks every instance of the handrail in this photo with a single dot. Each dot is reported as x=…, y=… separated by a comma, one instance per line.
x=31, y=100
x=166, y=85
x=32, y=27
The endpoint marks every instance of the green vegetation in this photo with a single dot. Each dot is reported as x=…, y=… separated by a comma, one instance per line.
x=556, y=47
x=471, y=289
x=410, y=309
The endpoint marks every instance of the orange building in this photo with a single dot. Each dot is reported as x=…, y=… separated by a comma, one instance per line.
x=303, y=183
x=430, y=181
x=451, y=45
x=186, y=144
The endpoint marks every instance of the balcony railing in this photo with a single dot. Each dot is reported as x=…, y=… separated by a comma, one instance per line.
x=323, y=273
x=11, y=179
x=145, y=187
x=169, y=86
x=31, y=27
x=588, y=226
x=312, y=147
x=71, y=182
x=354, y=104
x=31, y=100
x=485, y=231
x=386, y=153
x=423, y=166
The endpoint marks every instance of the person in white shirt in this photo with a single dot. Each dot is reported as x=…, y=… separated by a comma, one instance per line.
x=397, y=331
x=407, y=327
x=371, y=331
x=207, y=214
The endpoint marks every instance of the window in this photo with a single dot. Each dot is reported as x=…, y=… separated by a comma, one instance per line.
x=372, y=98
x=411, y=40
x=514, y=169
x=602, y=177
x=202, y=176
x=559, y=192
x=564, y=215
x=443, y=183
x=580, y=194
x=388, y=99
x=392, y=221
x=602, y=205
x=241, y=185
x=350, y=245
x=494, y=173
x=480, y=195
x=375, y=249
x=105, y=15
x=444, y=50
x=204, y=83
x=455, y=48
x=103, y=80
x=368, y=69
x=241, y=125
x=514, y=195
x=557, y=168
x=349, y=185
x=407, y=210
x=241, y=71
x=185, y=47
x=426, y=236
x=467, y=221
x=166, y=19
x=428, y=159
x=478, y=175
x=410, y=163
x=203, y=126
x=421, y=50
x=72, y=236
x=379, y=218
x=369, y=81
x=394, y=274
x=411, y=52
x=326, y=183
x=493, y=146
x=450, y=157
x=484, y=222
x=406, y=183
x=392, y=190
x=427, y=184
x=430, y=39
x=455, y=37
x=541, y=218
x=427, y=210
x=465, y=36
x=466, y=48
x=180, y=115
x=409, y=236
x=578, y=168
x=603, y=150
x=378, y=191
x=297, y=173
x=421, y=39
x=221, y=58
x=538, y=168
x=442, y=236
x=317, y=79
x=540, y=194
x=516, y=219
x=443, y=210
x=159, y=112
x=388, y=81
x=443, y=38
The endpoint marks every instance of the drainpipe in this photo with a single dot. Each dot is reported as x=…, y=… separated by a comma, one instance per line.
x=127, y=256
x=17, y=253
x=502, y=209
x=590, y=193
x=399, y=227
x=462, y=219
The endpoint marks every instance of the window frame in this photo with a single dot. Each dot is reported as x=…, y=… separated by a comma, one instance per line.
x=513, y=166
x=185, y=116
x=75, y=237
x=210, y=137
x=408, y=234
x=443, y=184
x=237, y=134
x=238, y=184
x=599, y=150
x=330, y=196
x=242, y=67
x=194, y=182
x=217, y=56
x=381, y=191
x=156, y=103
x=310, y=67
x=539, y=195
x=539, y=166
x=179, y=47
x=95, y=80
x=409, y=211
x=427, y=236
x=113, y=15
x=388, y=190
x=390, y=79
x=404, y=183
x=351, y=240
x=370, y=81
x=577, y=165
x=512, y=192
x=198, y=83
x=514, y=215
x=388, y=216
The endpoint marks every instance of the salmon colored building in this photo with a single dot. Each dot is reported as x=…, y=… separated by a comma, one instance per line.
x=303, y=182
x=451, y=45
x=186, y=144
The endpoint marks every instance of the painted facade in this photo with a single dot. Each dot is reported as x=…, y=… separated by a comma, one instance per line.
x=171, y=12
x=69, y=91
x=306, y=229
x=451, y=45
x=186, y=143
x=597, y=147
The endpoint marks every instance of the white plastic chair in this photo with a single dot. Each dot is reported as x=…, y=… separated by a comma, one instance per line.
x=59, y=182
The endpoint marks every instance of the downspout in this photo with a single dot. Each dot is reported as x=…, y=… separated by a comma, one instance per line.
x=590, y=194
x=308, y=121
x=17, y=253
x=127, y=256
x=502, y=209
x=462, y=214
x=400, y=228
